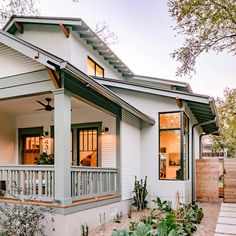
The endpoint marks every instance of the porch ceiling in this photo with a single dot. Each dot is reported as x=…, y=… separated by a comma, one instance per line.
x=28, y=105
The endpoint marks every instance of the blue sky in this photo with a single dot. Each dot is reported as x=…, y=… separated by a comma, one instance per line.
x=146, y=40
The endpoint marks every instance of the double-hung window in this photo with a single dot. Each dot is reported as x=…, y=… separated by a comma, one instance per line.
x=173, y=146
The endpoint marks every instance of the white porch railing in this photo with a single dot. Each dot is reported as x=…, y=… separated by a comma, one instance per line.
x=29, y=181
x=90, y=182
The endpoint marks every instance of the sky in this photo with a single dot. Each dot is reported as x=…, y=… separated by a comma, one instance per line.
x=146, y=39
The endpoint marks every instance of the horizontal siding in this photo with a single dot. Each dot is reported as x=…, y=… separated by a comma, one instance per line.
x=130, y=158
x=87, y=114
x=14, y=63
x=28, y=83
x=7, y=139
x=131, y=119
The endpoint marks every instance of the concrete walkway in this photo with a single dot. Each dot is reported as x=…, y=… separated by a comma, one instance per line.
x=226, y=224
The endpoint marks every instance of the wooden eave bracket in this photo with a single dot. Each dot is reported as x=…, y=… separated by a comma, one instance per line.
x=53, y=76
x=179, y=102
x=19, y=27
x=65, y=30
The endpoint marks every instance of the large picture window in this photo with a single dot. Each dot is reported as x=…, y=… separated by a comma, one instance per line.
x=173, y=146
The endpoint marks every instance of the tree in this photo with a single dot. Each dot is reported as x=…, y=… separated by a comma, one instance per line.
x=102, y=29
x=17, y=7
x=227, y=119
x=207, y=25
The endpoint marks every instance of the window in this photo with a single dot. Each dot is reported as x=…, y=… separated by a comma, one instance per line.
x=94, y=69
x=173, y=146
x=88, y=146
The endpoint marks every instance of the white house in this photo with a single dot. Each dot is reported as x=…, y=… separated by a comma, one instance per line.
x=64, y=91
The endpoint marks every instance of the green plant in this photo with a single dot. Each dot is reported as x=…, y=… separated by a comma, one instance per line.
x=164, y=206
x=187, y=216
x=44, y=159
x=85, y=230
x=167, y=224
x=121, y=232
x=140, y=193
x=118, y=217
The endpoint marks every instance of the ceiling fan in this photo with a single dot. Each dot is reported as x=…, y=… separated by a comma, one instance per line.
x=47, y=107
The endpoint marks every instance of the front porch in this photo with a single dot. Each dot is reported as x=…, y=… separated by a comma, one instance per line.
x=38, y=182
x=69, y=180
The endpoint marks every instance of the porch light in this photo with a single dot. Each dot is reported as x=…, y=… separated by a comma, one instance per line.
x=104, y=130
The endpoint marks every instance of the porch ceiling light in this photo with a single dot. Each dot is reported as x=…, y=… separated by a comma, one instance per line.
x=104, y=130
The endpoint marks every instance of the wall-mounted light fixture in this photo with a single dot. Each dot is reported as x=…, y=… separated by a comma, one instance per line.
x=104, y=130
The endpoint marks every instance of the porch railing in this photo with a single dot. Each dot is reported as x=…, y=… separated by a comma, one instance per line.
x=30, y=182
x=88, y=182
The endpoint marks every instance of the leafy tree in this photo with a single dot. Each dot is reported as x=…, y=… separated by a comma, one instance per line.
x=17, y=7
x=227, y=119
x=207, y=25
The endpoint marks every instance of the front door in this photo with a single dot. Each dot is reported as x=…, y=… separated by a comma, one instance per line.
x=29, y=144
x=31, y=149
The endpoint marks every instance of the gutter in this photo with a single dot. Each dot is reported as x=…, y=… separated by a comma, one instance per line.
x=107, y=93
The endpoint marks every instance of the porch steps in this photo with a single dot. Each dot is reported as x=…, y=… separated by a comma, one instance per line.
x=226, y=224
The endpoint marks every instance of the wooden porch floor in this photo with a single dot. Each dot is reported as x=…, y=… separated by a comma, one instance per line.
x=54, y=205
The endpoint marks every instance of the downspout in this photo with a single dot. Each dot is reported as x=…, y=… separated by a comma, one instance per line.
x=193, y=158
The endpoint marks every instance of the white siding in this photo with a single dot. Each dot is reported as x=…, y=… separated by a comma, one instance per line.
x=130, y=158
x=73, y=49
x=152, y=105
x=14, y=63
x=7, y=139
x=83, y=115
x=25, y=84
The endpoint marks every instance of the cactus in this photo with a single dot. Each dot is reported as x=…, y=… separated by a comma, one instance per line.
x=85, y=230
x=140, y=193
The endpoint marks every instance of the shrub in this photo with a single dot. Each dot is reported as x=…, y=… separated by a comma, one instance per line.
x=23, y=220
x=164, y=206
x=44, y=159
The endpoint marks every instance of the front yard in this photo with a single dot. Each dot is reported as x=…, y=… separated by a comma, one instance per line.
x=206, y=227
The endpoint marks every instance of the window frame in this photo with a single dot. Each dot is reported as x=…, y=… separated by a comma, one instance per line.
x=95, y=67
x=75, y=140
x=182, y=133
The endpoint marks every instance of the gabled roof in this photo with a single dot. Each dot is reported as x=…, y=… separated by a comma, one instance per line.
x=83, y=30
x=51, y=60
x=202, y=107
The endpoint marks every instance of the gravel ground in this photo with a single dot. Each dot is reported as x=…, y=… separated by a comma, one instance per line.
x=206, y=228
x=208, y=224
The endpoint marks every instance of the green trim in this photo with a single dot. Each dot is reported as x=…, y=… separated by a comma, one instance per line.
x=182, y=146
x=86, y=206
x=82, y=90
x=182, y=133
x=118, y=156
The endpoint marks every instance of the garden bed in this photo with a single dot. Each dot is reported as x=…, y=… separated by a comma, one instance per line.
x=206, y=227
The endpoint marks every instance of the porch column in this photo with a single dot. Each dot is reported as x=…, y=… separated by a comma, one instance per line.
x=62, y=129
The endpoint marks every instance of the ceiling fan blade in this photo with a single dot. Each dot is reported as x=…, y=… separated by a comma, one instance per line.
x=41, y=103
x=40, y=109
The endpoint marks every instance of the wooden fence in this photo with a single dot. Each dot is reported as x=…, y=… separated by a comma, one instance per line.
x=230, y=180
x=207, y=180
